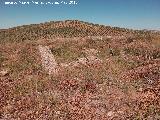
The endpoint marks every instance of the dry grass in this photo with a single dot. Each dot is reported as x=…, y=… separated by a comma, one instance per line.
x=97, y=79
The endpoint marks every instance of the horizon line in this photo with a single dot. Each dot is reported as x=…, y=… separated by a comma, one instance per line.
x=113, y=26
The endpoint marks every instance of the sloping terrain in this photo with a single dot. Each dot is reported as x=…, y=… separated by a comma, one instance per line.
x=63, y=29
x=113, y=75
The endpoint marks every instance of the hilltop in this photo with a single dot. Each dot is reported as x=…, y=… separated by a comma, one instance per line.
x=63, y=29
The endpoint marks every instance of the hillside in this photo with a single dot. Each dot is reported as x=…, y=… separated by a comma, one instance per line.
x=73, y=70
x=62, y=29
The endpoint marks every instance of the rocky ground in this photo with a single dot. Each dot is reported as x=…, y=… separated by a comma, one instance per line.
x=83, y=78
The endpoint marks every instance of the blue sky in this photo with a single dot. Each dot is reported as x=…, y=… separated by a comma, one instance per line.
x=135, y=14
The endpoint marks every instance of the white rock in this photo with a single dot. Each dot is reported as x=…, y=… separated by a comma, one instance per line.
x=82, y=61
x=4, y=72
x=48, y=59
x=110, y=113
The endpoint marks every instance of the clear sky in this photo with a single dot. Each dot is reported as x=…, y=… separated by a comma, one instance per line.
x=135, y=14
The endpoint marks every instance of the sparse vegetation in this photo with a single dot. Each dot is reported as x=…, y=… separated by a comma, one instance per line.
x=112, y=73
x=1, y=59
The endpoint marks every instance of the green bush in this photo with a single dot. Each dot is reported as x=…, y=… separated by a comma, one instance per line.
x=2, y=59
x=114, y=52
x=132, y=51
x=156, y=55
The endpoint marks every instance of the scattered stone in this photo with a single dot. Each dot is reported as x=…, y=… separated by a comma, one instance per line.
x=58, y=112
x=90, y=52
x=140, y=89
x=83, y=61
x=110, y=113
x=120, y=112
x=64, y=65
x=4, y=72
